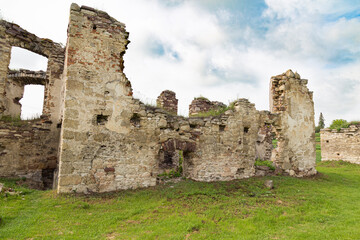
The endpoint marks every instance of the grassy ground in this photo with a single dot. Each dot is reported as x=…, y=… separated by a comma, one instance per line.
x=323, y=207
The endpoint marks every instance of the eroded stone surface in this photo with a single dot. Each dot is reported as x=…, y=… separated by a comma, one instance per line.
x=201, y=105
x=167, y=100
x=111, y=141
x=295, y=128
x=341, y=145
x=28, y=150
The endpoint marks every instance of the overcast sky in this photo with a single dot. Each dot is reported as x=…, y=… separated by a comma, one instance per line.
x=225, y=49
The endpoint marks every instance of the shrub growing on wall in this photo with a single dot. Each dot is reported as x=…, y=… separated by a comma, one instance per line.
x=338, y=124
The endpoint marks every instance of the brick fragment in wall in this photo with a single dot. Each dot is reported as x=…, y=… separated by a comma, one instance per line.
x=167, y=100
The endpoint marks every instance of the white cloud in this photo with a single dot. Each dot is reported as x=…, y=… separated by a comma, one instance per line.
x=205, y=53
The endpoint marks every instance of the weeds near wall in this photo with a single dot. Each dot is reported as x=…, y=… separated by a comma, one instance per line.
x=177, y=172
x=13, y=120
x=260, y=162
x=215, y=112
x=201, y=98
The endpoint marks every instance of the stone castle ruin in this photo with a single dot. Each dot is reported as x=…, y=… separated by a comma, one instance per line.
x=341, y=145
x=94, y=136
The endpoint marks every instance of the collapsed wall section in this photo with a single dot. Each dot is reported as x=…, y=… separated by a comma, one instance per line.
x=201, y=105
x=225, y=148
x=29, y=149
x=111, y=141
x=341, y=145
x=295, y=128
x=11, y=35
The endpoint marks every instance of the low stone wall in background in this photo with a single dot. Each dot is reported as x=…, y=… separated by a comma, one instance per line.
x=341, y=145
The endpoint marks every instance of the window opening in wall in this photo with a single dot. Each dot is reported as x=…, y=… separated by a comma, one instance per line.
x=32, y=102
x=33, y=96
x=24, y=59
x=274, y=140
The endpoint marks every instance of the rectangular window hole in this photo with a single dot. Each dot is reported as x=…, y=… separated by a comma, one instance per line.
x=246, y=129
x=101, y=119
x=222, y=128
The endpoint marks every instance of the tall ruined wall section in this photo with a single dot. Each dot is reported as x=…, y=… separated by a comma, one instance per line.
x=341, y=145
x=96, y=132
x=295, y=129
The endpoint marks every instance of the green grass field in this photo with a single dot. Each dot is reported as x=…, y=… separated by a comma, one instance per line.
x=326, y=206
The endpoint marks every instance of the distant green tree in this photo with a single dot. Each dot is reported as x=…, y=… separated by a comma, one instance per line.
x=338, y=124
x=321, y=121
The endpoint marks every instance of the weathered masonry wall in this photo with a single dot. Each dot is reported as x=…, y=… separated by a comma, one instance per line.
x=11, y=35
x=341, y=145
x=29, y=149
x=295, y=129
x=167, y=101
x=201, y=105
x=111, y=141
x=95, y=153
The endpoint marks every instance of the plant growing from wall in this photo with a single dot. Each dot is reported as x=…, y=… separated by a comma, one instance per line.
x=217, y=111
x=259, y=162
x=174, y=173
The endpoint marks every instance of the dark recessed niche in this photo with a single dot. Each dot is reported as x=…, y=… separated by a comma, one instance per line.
x=135, y=120
x=94, y=27
x=327, y=141
x=59, y=125
x=101, y=119
x=246, y=129
x=221, y=128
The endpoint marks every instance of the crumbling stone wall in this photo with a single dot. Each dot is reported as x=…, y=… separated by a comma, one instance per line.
x=167, y=100
x=341, y=145
x=295, y=128
x=111, y=141
x=201, y=105
x=28, y=150
x=96, y=141
x=16, y=81
x=11, y=35
x=264, y=144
